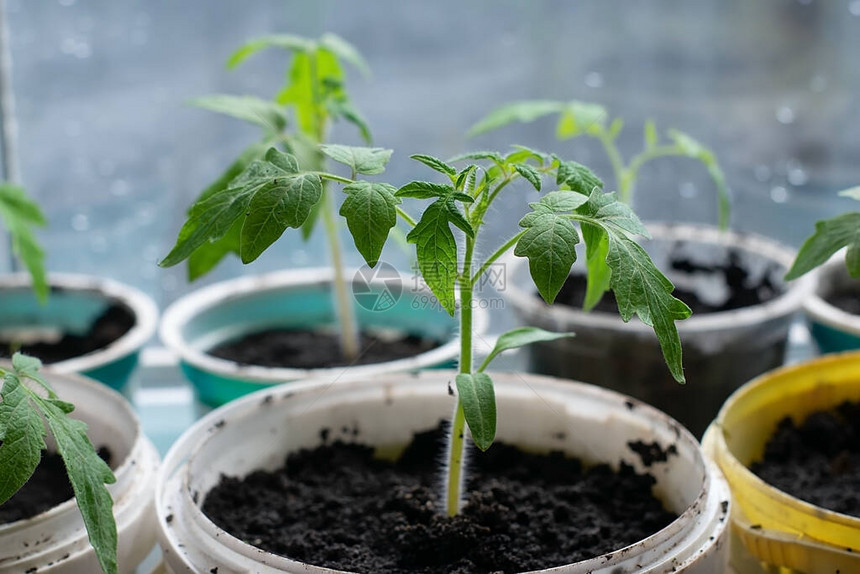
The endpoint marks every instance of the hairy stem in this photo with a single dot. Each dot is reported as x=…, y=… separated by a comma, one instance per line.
x=495, y=256
x=458, y=426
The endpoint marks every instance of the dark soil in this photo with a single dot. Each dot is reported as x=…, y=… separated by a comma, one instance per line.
x=48, y=487
x=282, y=348
x=338, y=506
x=742, y=293
x=848, y=301
x=818, y=461
x=115, y=322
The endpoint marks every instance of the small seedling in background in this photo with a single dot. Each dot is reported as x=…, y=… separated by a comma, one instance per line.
x=592, y=120
x=313, y=97
x=548, y=239
x=830, y=236
x=27, y=403
x=20, y=215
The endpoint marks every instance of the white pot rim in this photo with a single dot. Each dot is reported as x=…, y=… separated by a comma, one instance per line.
x=819, y=309
x=194, y=440
x=143, y=308
x=784, y=304
x=184, y=309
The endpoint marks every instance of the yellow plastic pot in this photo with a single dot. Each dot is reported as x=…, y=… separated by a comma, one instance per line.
x=775, y=532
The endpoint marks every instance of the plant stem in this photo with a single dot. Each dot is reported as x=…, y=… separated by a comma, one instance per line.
x=458, y=426
x=618, y=170
x=499, y=252
x=406, y=217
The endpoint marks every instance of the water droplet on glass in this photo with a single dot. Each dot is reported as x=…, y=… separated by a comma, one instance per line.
x=594, y=80
x=762, y=173
x=76, y=47
x=797, y=176
x=80, y=222
x=854, y=7
x=784, y=115
x=145, y=213
x=688, y=190
x=119, y=188
x=779, y=194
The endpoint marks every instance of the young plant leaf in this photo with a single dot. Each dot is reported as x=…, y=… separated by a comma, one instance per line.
x=435, y=163
x=345, y=51
x=21, y=215
x=830, y=236
x=478, y=398
x=520, y=337
x=529, y=173
x=343, y=108
x=563, y=201
x=425, y=190
x=370, y=212
x=576, y=177
x=650, y=134
x=263, y=113
x=599, y=274
x=853, y=193
x=524, y=112
x=522, y=154
x=285, y=41
x=579, y=118
x=366, y=160
x=22, y=433
x=436, y=250
x=492, y=156
x=550, y=245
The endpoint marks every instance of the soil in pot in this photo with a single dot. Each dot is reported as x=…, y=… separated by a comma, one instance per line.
x=48, y=487
x=315, y=349
x=817, y=461
x=113, y=323
x=848, y=301
x=339, y=506
x=730, y=276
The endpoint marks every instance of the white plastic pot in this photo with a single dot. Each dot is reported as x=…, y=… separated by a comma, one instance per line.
x=535, y=412
x=834, y=330
x=56, y=541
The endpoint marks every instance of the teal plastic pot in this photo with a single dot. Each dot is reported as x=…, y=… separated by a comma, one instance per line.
x=833, y=329
x=297, y=299
x=76, y=301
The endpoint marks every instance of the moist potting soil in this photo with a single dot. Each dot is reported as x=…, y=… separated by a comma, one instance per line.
x=309, y=349
x=818, y=460
x=340, y=507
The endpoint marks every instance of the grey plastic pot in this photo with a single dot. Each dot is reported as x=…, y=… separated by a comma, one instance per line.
x=833, y=329
x=537, y=413
x=296, y=299
x=721, y=350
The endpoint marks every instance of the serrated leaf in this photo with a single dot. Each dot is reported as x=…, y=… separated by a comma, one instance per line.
x=455, y=216
x=522, y=154
x=478, y=398
x=88, y=474
x=579, y=118
x=830, y=236
x=285, y=41
x=370, y=212
x=465, y=178
x=853, y=193
x=562, y=201
x=521, y=337
x=550, y=245
x=576, y=177
x=345, y=51
x=607, y=208
x=23, y=437
x=525, y=112
x=436, y=250
x=650, y=134
x=271, y=194
x=435, y=163
x=424, y=190
x=493, y=156
x=21, y=215
x=529, y=173
x=366, y=160
x=263, y=113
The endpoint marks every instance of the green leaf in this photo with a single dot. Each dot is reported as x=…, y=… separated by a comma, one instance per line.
x=607, y=208
x=345, y=110
x=830, y=236
x=550, y=245
x=493, y=156
x=563, y=201
x=345, y=51
x=689, y=147
x=88, y=474
x=285, y=41
x=520, y=337
x=523, y=154
x=436, y=250
x=525, y=112
x=529, y=173
x=478, y=398
x=650, y=134
x=424, y=190
x=263, y=113
x=853, y=193
x=599, y=273
x=300, y=93
x=579, y=118
x=366, y=160
x=576, y=177
x=21, y=215
x=370, y=212
x=270, y=195
x=23, y=437
x=615, y=128
x=435, y=163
